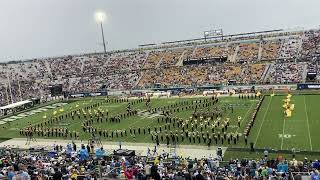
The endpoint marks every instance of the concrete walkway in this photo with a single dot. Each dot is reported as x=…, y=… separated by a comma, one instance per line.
x=191, y=151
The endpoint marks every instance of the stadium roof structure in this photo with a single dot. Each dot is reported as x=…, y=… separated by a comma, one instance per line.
x=216, y=37
x=16, y=104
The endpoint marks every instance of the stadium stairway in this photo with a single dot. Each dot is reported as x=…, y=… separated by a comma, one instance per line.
x=145, y=59
x=281, y=47
x=194, y=50
x=46, y=63
x=304, y=74
x=228, y=55
x=82, y=64
x=233, y=57
x=299, y=47
x=139, y=78
x=260, y=51
x=142, y=72
x=266, y=72
x=180, y=62
x=225, y=53
x=161, y=59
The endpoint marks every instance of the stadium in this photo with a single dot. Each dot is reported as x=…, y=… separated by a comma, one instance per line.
x=221, y=106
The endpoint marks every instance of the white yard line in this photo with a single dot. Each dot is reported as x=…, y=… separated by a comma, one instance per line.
x=305, y=106
x=264, y=117
x=245, y=116
x=284, y=123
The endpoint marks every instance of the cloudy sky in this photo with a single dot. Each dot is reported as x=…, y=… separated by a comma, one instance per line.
x=43, y=28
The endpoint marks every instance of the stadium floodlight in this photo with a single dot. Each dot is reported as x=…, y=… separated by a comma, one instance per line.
x=100, y=17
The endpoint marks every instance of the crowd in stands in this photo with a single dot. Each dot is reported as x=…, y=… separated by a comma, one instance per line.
x=90, y=162
x=171, y=57
x=145, y=67
x=209, y=51
x=289, y=48
x=3, y=96
x=252, y=73
x=153, y=59
x=85, y=73
x=283, y=73
x=310, y=45
x=248, y=51
x=231, y=49
x=270, y=49
x=187, y=53
x=67, y=66
x=202, y=75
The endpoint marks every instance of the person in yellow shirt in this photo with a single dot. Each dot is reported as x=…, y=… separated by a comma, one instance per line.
x=74, y=174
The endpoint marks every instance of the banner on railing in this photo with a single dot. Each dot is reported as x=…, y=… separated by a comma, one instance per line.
x=308, y=86
x=87, y=94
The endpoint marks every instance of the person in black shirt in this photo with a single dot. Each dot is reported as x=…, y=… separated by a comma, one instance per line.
x=57, y=174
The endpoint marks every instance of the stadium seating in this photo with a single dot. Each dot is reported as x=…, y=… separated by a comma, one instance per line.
x=125, y=61
x=171, y=57
x=187, y=53
x=3, y=95
x=248, y=51
x=270, y=49
x=141, y=68
x=88, y=162
x=310, y=45
x=251, y=74
x=209, y=51
x=231, y=49
x=153, y=59
x=202, y=75
x=283, y=73
x=289, y=48
x=65, y=67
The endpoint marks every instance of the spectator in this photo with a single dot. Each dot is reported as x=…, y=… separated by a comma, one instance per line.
x=11, y=173
x=57, y=174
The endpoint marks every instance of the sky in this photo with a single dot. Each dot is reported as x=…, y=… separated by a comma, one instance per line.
x=48, y=28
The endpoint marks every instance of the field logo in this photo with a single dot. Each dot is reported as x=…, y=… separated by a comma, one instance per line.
x=146, y=114
x=287, y=136
x=32, y=112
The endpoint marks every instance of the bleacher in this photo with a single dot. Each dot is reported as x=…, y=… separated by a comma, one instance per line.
x=248, y=51
x=248, y=57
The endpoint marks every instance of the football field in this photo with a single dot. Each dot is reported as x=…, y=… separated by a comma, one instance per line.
x=273, y=129
x=270, y=130
x=143, y=119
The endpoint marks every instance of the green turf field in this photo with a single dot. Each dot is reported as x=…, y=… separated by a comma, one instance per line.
x=271, y=128
x=144, y=119
x=301, y=131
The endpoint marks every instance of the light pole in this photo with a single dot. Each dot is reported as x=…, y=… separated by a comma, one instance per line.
x=100, y=18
